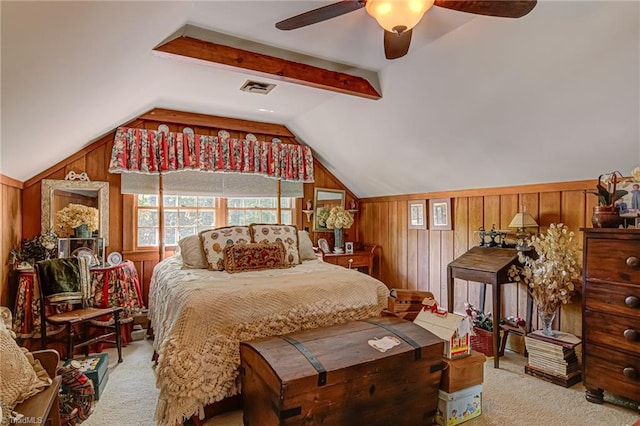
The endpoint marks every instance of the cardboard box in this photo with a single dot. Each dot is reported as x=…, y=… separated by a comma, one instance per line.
x=463, y=372
x=407, y=300
x=453, y=329
x=458, y=407
x=95, y=367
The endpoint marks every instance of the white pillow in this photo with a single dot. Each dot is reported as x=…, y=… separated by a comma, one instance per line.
x=192, y=253
x=305, y=246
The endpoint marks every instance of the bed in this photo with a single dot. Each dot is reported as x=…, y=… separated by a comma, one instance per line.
x=200, y=316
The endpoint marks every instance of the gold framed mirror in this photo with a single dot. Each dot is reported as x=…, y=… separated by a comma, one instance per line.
x=324, y=199
x=57, y=194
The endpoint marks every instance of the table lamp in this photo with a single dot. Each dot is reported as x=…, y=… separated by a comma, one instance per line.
x=522, y=221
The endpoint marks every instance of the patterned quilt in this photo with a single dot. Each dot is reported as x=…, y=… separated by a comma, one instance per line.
x=199, y=317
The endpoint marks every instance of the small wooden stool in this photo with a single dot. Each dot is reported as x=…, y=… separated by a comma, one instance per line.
x=510, y=328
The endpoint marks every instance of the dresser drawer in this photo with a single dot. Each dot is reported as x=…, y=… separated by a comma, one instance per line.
x=604, y=369
x=358, y=260
x=617, y=299
x=614, y=331
x=613, y=260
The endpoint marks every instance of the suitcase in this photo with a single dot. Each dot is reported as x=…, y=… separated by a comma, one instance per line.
x=333, y=376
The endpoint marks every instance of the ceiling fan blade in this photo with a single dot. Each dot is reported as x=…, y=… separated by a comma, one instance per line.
x=321, y=14
x=500, y=8
x=396, y=45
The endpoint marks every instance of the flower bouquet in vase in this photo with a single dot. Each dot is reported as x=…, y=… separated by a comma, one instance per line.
x=339, y=219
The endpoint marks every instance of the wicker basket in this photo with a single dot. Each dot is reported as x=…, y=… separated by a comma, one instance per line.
x=482, y=341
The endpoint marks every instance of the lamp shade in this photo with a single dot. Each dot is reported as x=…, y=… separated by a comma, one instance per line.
x=398, y=15
x=523, y=220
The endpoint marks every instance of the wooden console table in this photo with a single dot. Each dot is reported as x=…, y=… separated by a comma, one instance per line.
x=486, y=265
x=357, y=259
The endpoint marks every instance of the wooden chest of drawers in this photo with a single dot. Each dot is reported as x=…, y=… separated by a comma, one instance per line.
x=611, y=313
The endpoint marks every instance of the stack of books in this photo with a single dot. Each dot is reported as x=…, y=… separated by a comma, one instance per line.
x=554, y=358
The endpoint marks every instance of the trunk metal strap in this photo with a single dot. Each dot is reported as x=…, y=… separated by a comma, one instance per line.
x=417, y=348
x=322, y=372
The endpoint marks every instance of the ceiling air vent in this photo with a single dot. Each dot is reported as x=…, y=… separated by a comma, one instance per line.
x=257, y=87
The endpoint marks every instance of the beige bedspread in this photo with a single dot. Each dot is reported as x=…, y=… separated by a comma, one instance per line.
x=199, y=317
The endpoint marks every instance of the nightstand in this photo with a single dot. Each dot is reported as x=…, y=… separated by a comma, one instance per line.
x=357, y=259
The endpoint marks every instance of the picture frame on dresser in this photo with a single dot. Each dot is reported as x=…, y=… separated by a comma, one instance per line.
x=348, y=247
x=417, y=214
x=440, y=214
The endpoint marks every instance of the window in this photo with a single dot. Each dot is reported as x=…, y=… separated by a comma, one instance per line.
x=188, y=215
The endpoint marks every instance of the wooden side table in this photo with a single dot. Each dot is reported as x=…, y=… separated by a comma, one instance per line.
x=357, y=259
x=486, y=265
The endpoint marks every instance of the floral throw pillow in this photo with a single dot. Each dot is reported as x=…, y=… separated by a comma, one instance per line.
x=214, y=241
x=254, y=257
x=286, y=234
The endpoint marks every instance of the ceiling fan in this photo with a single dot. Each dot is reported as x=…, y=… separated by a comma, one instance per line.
x=398, y=17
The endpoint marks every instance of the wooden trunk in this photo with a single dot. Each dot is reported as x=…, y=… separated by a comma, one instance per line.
x=351, y=382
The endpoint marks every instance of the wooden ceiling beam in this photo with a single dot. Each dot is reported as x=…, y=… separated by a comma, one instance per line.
x=270, y=66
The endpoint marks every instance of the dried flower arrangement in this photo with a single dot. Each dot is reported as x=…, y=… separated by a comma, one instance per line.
x=339, y=218
x=74, y=215
x=555, y=275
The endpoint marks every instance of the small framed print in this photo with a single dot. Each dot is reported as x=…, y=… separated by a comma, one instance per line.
x=324, y=245
x=417, y=214
x=348, y=247
x=637, y=222
x=440, y=214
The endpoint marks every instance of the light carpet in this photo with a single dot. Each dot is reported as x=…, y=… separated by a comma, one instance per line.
x=510, y=397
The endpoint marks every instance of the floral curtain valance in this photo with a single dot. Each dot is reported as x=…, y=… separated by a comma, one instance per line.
x=157, y=152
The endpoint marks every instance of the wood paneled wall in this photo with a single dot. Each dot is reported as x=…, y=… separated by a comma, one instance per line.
x=11, y=225
x=418, y=259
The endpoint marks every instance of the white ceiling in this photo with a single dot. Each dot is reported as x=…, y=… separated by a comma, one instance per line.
x=477, y=102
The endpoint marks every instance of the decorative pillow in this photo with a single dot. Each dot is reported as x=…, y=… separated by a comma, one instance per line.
x=254, y=257
x=305, y=246
x=19, y=380
x=215, y=240
x=191, y=252
x=270, y=233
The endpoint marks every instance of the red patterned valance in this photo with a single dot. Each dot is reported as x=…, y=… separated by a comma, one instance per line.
x=155, y=152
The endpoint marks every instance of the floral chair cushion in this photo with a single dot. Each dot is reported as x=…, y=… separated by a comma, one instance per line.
x=214, y=241
x=286, y=234
x=254, y=257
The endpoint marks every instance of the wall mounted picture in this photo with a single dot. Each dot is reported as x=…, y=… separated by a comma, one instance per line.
x=417, y=214
x=348, y=247
x=440, y=214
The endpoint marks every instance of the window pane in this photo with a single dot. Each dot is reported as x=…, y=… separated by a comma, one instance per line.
x=286, y=217
x=147, y=217
x=206, y=201
x=188, y=218
x=236, y=217
x=187, y=201
x=267, y=202
x=148, y=200
x=251, y=202
x=185, y=232
x=170, y=236
x=171, y=200
x=268, y=216
x=235, y=202
x=252, y=216
x=170, y=218
x=285, y=203
x=206, y=218
x=147, y=237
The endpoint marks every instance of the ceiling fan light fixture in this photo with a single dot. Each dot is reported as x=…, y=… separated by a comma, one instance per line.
x=398, y=15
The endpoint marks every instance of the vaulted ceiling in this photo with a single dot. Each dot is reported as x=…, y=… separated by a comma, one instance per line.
x=477, y=102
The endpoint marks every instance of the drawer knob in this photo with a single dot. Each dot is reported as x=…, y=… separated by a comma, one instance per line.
x=633, y=261
x=630, y=334
x=632, y=301
x=630, y=373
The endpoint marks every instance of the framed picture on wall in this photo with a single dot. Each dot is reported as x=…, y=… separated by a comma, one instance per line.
x=440, y=214
x=417, y=210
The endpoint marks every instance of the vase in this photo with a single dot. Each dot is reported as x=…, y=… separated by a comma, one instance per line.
x=606, y=217
x=82, y=231
x=339, y=235
x=546, y=322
